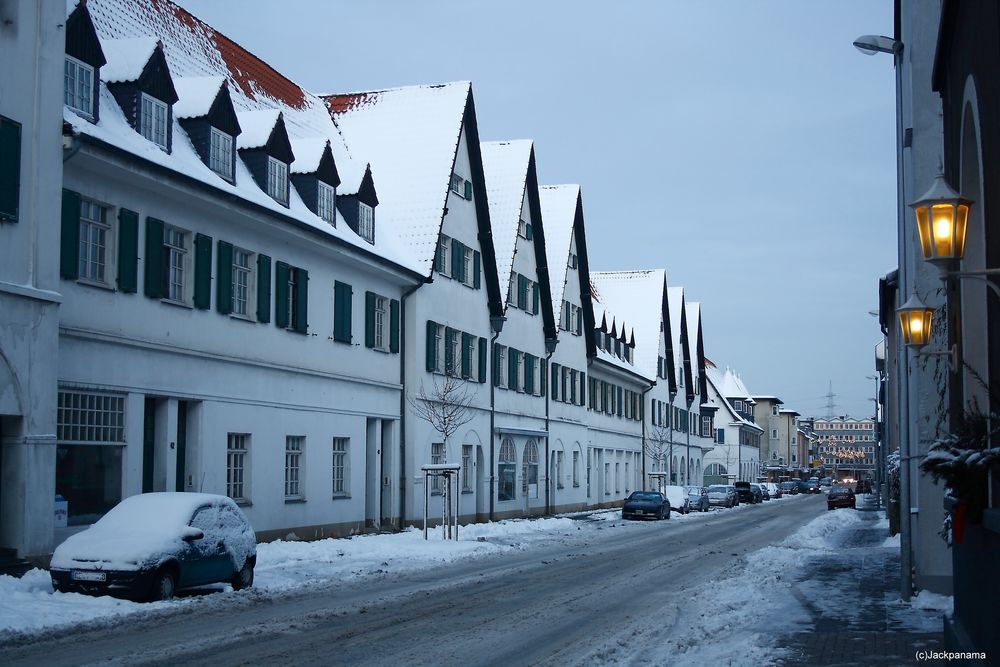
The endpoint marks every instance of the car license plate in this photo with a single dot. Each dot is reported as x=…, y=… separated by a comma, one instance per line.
x=77, y=575
x=638, y=511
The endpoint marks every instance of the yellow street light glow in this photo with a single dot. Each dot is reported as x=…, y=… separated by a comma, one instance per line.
x=942, y=217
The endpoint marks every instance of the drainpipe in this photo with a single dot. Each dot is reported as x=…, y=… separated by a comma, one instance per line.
x=642, y=418
x=402, y=402
x=670, y=421
x=688, y=445
x=496, y=324
x=550, y=348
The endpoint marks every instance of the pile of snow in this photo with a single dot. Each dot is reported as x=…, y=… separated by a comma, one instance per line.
x=933, y=601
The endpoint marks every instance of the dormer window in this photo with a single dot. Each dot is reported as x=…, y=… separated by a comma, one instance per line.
x=326, y=203
x=220, y=155
x=277, y=180
x=78, y=86
x=153, y=120
x=366, y=222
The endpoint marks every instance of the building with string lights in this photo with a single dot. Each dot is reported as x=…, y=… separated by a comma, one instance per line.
x=846, y=446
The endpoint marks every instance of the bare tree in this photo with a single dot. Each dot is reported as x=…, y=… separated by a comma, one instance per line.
x=447, y=406
x=659, y=447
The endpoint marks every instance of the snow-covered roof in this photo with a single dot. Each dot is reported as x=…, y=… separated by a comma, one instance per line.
x=559, y=212
x=257, y=126
x=767, y=397
x=693, y=311
x=129, y=31
x=620, y=325
x=410, y=137
x=675, y=304
x=126, y=57
x=308, y=152
x=732, y=386
x=716, y=380
x=505, y=164
x=638, y=297
x=195, y=95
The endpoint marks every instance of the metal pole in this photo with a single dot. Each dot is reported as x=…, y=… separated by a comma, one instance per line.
x=426, y=501
x=444, y=512
x=458, y=499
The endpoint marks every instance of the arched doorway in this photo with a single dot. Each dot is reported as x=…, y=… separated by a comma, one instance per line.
x=507, y=471
x=529, y=473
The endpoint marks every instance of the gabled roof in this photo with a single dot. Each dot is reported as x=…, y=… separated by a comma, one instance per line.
x=716, y=380
x=509, y=168
x=126, y=58
x=196, y=94
x=638, y=297
x=194, y=49
x=693, y=313
x=621, y=328
x=559, y=203
x=678, y=335
x=257, y=127
x=732, y=386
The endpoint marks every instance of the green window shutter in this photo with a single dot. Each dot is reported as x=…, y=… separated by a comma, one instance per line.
x=69, y=247
x=543, y=376
x=203, y=271
x=154, y=258
x=281, y=294
x=466, y=355
x=10, y=171
x=534, y=298
x=621, y=400
x=128, y=250
x=431, y=346
x=529, y=373
x=301, y=323
x=468, y=190
x=457, y=255
x=263, y=288
x=555, y=382
x=477, y=263
x=528, y=232
x=482, y=359
x=342, y=311
x=394, y=326
x=579, y=322
x=572, y=387
x=449, y=350
x=223, y=277
x=583, y=388
x=522, y=292
x=496, y=366
x=512, y=368
x=370, y=319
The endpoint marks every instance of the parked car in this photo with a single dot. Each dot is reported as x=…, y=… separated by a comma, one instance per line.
x=812, y=485
x=646, y=505
x=774, y=489
x=722, y=495
x=678, y=498
x=826, y=481
x=150, y=545
x=841, y=495
x=789, y=487
x=746, y=493
x=764, y=491
x=698, y=498
x=863, y=486
x=802, y=486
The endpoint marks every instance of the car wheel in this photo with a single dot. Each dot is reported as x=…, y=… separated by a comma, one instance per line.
x=243, y=578
x=164, y=585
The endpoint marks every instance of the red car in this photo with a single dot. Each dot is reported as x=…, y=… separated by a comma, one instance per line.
x=841, y=496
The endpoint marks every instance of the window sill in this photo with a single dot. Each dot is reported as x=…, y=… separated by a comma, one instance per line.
x=576, y=486
x=294, y=501
x=243, y=503
x=341, y=496
x=465, y=491
x=179, y=304
x=95, y=283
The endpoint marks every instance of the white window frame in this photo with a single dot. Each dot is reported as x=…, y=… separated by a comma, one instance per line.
x=95, y=242
x=341, y=467
x=277, y=180
x=456, y=354
x=366, y=222
x=576, y=469
x=502, y=366
x=443, y=260
x=468, y=269
x=238, y=467
x=295, y=446
x=522, y=228
x=220, y=153
x=78, y=86
x=458, y=185
x=381, y=323
x=467, y=468
x=326, y=202
x=438, y=456
x=178, y=258
x=153, y=116
x=242, y=282
x=439, y=347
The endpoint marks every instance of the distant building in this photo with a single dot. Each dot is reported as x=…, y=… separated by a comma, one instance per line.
x=846, y=446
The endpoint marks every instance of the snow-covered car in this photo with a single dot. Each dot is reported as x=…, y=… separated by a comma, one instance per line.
x=698, y=498
x=152, y=544
x=646, y=505
x=722, y=495
x=678, y=497
x=773, y=489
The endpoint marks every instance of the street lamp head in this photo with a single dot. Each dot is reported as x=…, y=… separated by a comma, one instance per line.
x=915, y=322
x=942, y=218
x=872, y=44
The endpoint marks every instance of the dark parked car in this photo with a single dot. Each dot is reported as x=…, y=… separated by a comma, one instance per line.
x=150, y=545
x=746, y=493
x=698, y=497
x=863, y=486
x=840, y=496
x=789, y=488
x=812, y=486
x=764, y=491
x=802, y=486
x=722, y=495
x=646, y=505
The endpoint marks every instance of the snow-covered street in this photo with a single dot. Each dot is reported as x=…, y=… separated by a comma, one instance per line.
x=723, y=594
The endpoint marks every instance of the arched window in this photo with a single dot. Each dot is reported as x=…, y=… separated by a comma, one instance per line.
x=506, y=470
x=529, y=470
x=673, y=470
x=683, y=476
x=716, y=470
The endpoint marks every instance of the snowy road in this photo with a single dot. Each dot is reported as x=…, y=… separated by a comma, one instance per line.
x=608, y=592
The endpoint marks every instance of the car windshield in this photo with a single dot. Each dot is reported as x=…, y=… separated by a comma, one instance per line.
x=837, y=488
x=715, y=488
x=694, y=490
x=646, y=495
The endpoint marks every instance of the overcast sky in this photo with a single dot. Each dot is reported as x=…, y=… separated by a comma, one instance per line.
x=745, y=146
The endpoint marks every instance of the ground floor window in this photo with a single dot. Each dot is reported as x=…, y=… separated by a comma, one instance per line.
x=341, y=463
x=506, y=471
x=90, y=432
x=237, y=466
x=529, y=473
x=437, y=457
x=466, y=467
